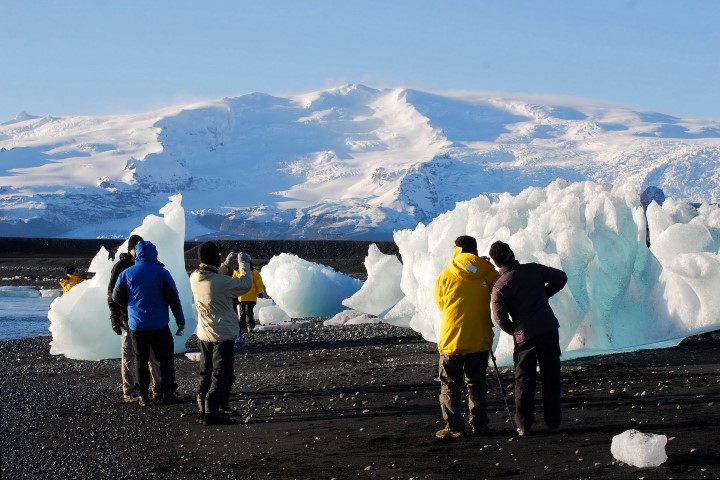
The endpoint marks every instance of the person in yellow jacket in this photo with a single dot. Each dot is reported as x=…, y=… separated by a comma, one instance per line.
x=71, y=279
x=247, y=301
x=462, y=293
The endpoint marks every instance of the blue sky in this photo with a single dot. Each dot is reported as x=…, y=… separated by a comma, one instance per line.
x=98, y=57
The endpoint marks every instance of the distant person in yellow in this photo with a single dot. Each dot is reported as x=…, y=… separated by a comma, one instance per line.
x=71, y=278
x=248, y=300
x=462, y=292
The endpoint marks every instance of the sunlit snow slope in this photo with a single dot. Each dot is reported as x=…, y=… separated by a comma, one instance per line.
x=346, y=163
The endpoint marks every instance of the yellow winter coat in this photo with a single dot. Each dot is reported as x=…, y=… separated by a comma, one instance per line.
x=69, y=282
x=257, y=288
x=462, y=292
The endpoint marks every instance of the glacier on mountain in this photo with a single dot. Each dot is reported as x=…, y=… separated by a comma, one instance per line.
x=352, y=162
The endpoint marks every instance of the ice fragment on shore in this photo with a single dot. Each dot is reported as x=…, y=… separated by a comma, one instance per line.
x=382, y=289
x=350, y=317
x=272, y=315
x=639, y=449
x=305, y=289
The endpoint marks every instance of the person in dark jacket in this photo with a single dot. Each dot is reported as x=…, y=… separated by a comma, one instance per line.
x=521, y=308
x=119, y=323
x=147, y=289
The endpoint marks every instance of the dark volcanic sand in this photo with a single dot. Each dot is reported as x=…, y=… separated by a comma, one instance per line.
x=349, y=402
x=341, y=402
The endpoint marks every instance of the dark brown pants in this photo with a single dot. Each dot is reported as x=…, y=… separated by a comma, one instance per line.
x=456, y=372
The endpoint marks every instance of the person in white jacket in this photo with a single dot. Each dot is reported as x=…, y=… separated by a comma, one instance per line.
x=213, y=291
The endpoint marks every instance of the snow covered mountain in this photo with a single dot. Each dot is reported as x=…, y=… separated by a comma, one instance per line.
x=349, y=163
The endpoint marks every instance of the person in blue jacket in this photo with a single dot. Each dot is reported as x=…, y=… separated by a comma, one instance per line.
x=147, y=290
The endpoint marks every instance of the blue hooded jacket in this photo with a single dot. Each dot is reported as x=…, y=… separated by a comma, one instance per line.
x=147, y=289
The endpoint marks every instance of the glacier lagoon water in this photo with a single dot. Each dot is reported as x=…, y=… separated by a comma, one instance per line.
x=23, y=313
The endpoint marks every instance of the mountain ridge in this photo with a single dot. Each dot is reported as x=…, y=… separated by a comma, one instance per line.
x=351, y=162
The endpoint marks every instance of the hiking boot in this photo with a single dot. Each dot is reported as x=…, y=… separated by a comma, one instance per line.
x=144, y=400
x=156, y=395
x=213, y=416
x=448, y=434
x=479, y=430
x=523, y=432
x=131, y=398
x=226, y=409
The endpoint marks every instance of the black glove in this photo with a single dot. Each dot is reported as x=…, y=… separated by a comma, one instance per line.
x=116, y=325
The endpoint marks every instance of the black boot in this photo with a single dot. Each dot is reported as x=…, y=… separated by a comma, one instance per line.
x=226, y=409
x=213, y=416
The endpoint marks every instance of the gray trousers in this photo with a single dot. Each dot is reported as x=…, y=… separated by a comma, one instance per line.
x=456, y=372
x=127, y=368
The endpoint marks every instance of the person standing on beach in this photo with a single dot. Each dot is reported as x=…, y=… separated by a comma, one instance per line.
x=119, y=323
x=147, y=289
x=70, y=279
x=521, y=308
x=214, y=286
x=247, y=301
x=462, y=292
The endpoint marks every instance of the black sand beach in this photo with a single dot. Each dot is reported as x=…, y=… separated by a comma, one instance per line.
x=348, y=402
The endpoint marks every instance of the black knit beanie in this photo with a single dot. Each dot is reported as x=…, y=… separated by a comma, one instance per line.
x=467, y=243
x=133, y=241
x=209, y=254
x=501, y=254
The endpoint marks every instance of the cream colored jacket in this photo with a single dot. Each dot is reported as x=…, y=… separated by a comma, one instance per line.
x=213, y=294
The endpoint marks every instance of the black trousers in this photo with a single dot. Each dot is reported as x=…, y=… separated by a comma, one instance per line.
x=247, y=314
x=542, y=351
x=456, y=372
x=217, y=370
x=162, y=344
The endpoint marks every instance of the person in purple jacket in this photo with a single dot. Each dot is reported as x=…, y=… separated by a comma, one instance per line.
x=147, y=290
x=520, y=305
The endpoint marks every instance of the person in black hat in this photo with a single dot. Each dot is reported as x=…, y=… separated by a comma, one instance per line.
x=521, y=308
x=119, y=323
x=214, y=290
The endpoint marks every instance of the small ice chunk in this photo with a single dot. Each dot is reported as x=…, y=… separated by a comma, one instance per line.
x=272, y=315
x=639, y=449
x=350, y=317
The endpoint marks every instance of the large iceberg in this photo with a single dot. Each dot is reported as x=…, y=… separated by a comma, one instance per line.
x=621, y=295
x=80, y=319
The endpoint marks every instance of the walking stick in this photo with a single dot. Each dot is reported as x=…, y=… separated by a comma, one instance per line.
x=502, y=389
